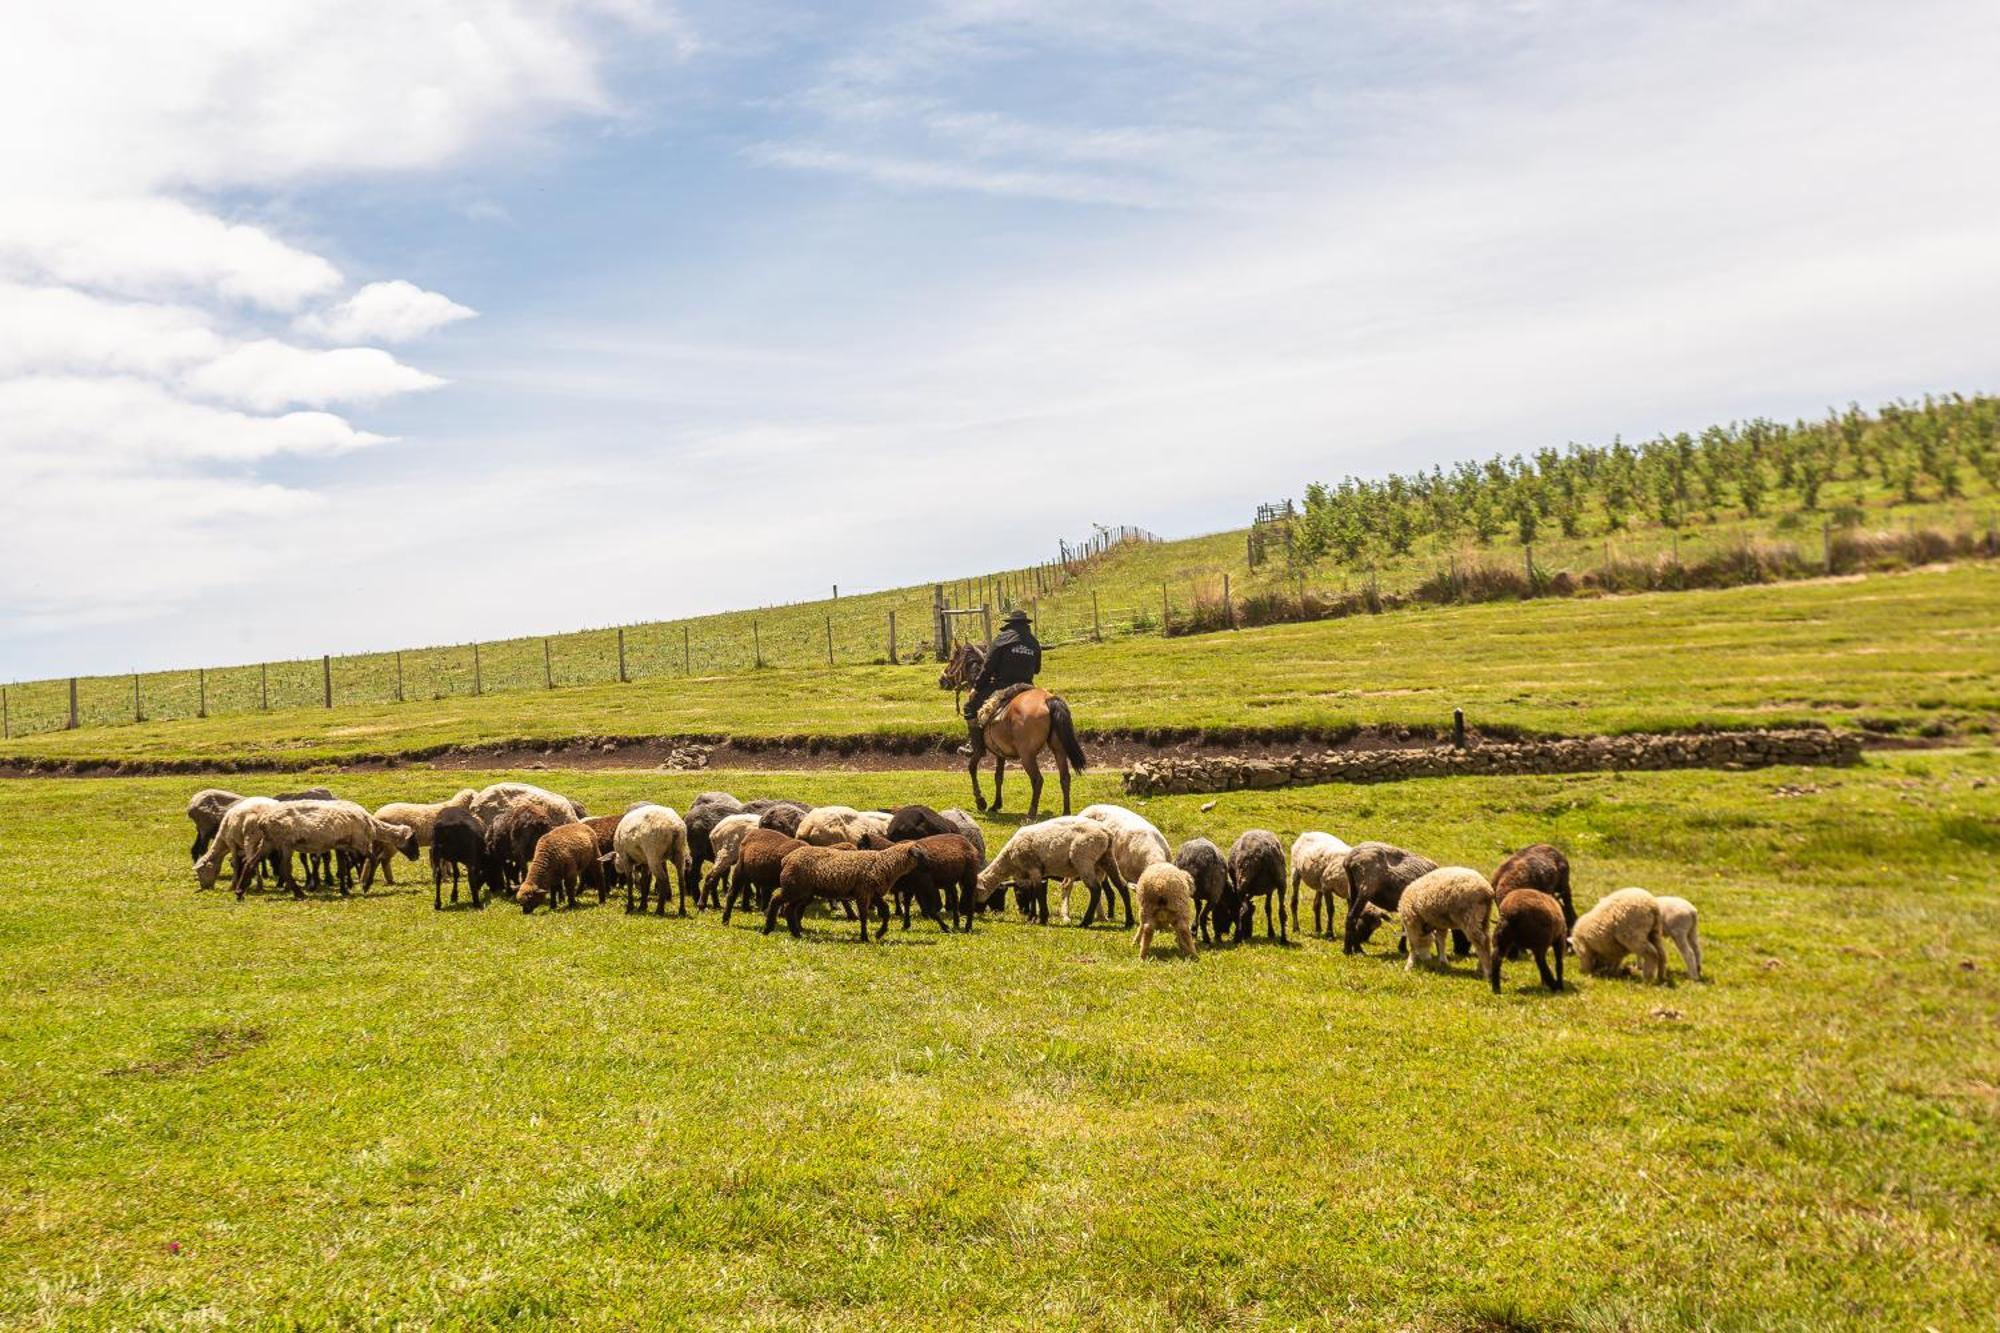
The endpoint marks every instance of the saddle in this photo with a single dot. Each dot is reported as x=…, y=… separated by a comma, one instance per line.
x=997, y=702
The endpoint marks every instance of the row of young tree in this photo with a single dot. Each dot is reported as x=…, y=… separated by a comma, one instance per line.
x=1910, y=452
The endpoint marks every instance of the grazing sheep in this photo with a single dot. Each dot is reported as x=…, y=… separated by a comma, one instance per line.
x=457, y=841
x=1532, y=920
x=1447, y=899
x=492, y=802
x=968, y=828
x=944, y=885
x=1377, y=874
x=565, y=859
x=206, y=808
x=709, y=809
x=604, y=828
x=232, y=835
x=829, y=824
x=1135, y=843
x=649, y=840
x=1204, y=864
x=1319, y=860
x=1066, y=849
x=1257, y=870
x=1627, y=921
x=1540, y=867
x=420, y=818
x=1680, y=923
x=760, y=859
x=907, y=823
x=511, y=838
x=725, y=839
x=307, y=794
x=1166, y=900
x=776, y=813
x=866, y=879
x=315, y=827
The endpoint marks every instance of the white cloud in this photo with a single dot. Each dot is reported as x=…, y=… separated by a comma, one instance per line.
x=266, y=375
x=394, y=311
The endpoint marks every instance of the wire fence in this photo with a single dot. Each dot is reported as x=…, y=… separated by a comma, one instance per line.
x=897, y=626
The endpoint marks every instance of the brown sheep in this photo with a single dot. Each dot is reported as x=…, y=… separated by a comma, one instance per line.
x=1532, y=920
x=1540, y=867
x=565, y=859
x=866, y=879
x=945, y=885
x=512, y=837
x=759, y=859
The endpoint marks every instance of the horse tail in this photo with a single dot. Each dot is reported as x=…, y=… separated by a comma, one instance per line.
x=1064, y=728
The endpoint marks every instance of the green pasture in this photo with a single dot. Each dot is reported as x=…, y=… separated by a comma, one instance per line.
x=365, y=1113
x=1915, y=653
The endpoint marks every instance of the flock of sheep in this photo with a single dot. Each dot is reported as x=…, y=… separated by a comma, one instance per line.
x=782, y=855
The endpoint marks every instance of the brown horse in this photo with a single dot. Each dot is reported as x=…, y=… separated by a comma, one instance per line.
x=1033, y=721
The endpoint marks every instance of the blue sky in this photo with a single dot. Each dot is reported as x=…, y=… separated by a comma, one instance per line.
x=769, y=297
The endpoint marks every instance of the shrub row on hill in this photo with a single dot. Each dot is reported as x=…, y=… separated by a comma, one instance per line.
x=1472, y=581
x=1729, y=749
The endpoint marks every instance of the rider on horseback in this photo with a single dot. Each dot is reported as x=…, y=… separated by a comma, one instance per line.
x=1015, y=658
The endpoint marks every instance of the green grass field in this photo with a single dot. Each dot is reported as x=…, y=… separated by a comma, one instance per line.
x=365, y=1113
x=1916, y=653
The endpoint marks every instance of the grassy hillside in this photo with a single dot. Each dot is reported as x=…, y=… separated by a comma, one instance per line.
x=1690, y=503
x=359, y=1112
x=1916, y=653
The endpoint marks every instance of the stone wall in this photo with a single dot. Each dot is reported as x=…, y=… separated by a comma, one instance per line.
x=1584, y=754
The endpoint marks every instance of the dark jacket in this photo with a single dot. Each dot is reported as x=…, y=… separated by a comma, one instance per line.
x=1015, y=659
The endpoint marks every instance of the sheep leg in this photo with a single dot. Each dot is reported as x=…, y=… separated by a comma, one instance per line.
x=1690, y=952
x=1493, y=969
x=881, y=910
x=771, y=915
x=437, y=887
x=1559, y=952
x=1089, y=911
x=1416, y=942
x=1460, y=945
x=1145, y=940
x=1483, y=946
x=1295, y=900
x=1549, y=979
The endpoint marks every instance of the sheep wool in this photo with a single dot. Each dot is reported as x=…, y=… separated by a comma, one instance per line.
x=1166, y=902
x=1447, y=899
x=1627, y=921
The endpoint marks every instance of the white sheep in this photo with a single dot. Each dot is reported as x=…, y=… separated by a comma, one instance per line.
x=1447, y=899
x=968, y=828
x=1680, y=922
x=492, y=802
x=310, y=828
x=1627, y=921
x=726, y=840
x=421, y=817
x=829, y=824
x=1166, y=900
x=1135, y=842
x=1066, y=849
x=1319, y=860
x=231, y=835
x=649, y=839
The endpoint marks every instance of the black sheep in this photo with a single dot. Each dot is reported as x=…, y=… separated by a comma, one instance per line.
x=458, y=841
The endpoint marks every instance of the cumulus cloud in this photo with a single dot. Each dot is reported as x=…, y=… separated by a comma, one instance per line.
x=146, y=384
x=394, y=311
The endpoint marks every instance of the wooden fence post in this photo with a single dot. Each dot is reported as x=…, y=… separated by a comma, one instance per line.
x=326, y=678
x=687, y=654
x=478, y=685
x=1228, y=603
x=264, y=682
x=986, y=615
x=1166, y=609
x=940, y=631
x=399, y=676
x=1096, y=621
x=548, y=671
x=6, y=719
x=1458, y=728
x=756, y=643
x=201, y=691
x=138, y=712
x=622, y=677
x=72, y=705
x=892, y=637
x=829, y=640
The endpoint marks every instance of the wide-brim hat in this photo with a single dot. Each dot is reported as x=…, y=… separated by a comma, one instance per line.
x=1014, y=618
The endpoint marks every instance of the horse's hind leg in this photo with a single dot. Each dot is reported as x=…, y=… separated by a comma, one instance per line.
x=1034, y=770
x=1062, y=775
